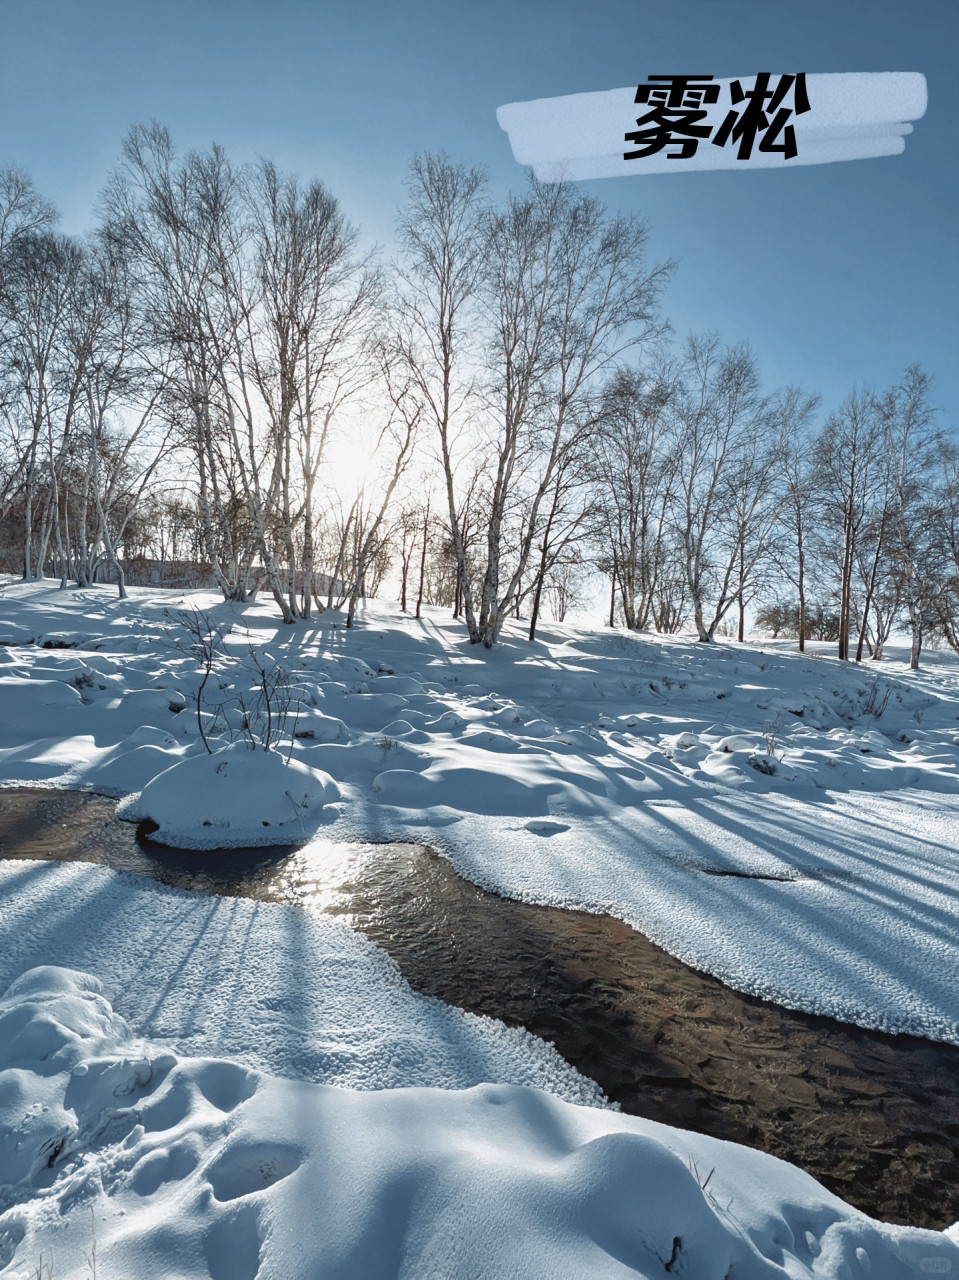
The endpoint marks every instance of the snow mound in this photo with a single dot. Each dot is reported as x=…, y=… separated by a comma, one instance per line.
x=199, y=1167
x=238, y=796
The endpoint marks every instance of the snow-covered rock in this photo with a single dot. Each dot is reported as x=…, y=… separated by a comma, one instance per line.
x=239, y=796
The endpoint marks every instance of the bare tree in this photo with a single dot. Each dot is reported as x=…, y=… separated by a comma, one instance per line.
x=566, y=518
x=851, y=474
x=163, y=215
x=758, y=489
x=943, y=512
x=306, y=344
x=398, y=436
x=913, y=445
x=44, y=375
x=567, y=292
x=257, y=289
x=633, y=463
x=439, y=233
x=797, y=514
x=23, y=211
x=723, y=422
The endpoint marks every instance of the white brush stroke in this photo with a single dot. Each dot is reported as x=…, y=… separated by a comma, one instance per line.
x=852, y=116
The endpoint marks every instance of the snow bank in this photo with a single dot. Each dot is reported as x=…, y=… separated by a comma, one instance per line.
x=200, y=1168
x=289, y=991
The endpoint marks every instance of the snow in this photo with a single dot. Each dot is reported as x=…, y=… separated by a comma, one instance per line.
x=239, y=795
x=115, y=1149
x=287, y=1063
x=289, y=991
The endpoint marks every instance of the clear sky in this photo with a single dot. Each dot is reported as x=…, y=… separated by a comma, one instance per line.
x=838, y=275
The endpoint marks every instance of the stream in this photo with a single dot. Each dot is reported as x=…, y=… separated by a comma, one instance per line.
x=874, y=1117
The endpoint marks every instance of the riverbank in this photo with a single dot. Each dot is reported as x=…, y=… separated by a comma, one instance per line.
x=873, y=1117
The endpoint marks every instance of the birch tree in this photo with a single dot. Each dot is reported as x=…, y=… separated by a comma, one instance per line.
x=438, y=278
x=721, y=419
x=162, y=214
x=307, y=345
x=41, y=279
x=851, y=472
x=798, y=511
x=567, y=291
x=912, y=444
x=633, y=464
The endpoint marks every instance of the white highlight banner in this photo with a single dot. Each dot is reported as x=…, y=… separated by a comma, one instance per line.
x=851, y=116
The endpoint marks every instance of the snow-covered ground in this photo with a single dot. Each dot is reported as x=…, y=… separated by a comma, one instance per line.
x=161, y=1166
x=781, y=821
x=158, y=1166
x=601, y=770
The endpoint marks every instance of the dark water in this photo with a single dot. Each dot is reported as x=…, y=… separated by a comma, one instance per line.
x=874, y=1117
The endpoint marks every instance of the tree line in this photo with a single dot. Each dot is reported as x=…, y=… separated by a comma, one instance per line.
x=516, y=414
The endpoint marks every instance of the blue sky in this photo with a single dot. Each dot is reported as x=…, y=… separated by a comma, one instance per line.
x=838, y=275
